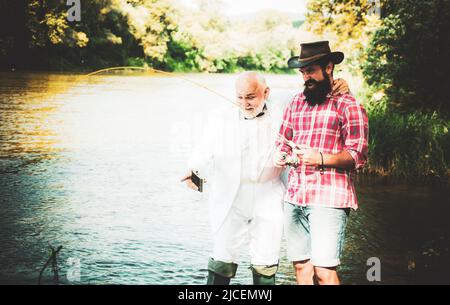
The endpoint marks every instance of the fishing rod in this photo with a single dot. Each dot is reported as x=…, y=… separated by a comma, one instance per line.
x=288, y=142
x=147, y=69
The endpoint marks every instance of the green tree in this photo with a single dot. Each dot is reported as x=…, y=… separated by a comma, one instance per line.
x=110, y=33
x=349, y=25
x=150, y=22
x=408, y=56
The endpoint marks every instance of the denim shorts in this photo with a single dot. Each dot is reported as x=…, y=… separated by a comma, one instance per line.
x=315, y=233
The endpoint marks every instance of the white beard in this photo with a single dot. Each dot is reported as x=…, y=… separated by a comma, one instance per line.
x=252, y=114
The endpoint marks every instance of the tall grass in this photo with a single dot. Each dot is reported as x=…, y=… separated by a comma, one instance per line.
x=403, y=146
x=410, y=146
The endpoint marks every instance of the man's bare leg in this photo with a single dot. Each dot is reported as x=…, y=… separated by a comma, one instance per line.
x=304, y=272
x=326, y=276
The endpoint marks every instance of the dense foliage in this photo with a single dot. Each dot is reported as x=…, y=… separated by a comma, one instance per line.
x=159, y=33
x=403, y=58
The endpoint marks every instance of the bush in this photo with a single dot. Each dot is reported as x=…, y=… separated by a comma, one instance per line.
x=414, y=146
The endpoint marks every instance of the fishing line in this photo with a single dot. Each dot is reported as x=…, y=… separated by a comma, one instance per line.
x=168, y=74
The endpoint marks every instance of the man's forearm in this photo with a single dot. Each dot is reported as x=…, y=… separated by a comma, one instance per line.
x=341, y=160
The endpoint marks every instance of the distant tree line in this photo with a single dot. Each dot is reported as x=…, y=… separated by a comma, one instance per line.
x=35, y=34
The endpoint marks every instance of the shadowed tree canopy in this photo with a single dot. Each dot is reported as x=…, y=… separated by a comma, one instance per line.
x=409, y=55
x=405, y=55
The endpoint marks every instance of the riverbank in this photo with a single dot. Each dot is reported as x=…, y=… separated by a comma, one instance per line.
x=411, y=147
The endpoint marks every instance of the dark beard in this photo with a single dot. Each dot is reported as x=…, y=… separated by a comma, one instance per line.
x=318, y=94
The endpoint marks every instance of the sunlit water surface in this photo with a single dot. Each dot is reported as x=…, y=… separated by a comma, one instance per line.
x=93, y=164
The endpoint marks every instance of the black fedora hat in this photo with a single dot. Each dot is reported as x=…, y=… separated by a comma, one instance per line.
x=312, y=52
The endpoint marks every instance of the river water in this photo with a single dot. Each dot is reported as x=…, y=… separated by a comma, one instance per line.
x=93, y=164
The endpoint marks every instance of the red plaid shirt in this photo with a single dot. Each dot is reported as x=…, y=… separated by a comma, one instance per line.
x=340, y=123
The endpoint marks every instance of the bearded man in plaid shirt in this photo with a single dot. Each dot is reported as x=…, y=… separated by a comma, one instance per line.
x=325, y=140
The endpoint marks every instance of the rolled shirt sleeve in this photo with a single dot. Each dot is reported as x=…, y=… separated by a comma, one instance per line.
x=356, y=132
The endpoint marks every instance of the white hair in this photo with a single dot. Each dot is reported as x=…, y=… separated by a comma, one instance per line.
x=251, y=75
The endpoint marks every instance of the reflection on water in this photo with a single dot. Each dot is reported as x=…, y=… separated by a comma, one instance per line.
x=93, y=164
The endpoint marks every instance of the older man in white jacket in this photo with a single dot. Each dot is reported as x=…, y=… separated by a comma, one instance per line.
x=245, y=190
x=245, y=200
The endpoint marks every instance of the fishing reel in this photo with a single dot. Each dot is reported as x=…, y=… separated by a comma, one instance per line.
x=290, y=160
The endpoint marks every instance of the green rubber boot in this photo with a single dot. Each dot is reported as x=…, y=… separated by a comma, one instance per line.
x=220, y=273
x=264, y=275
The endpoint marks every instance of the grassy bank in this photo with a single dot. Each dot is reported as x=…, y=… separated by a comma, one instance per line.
x=404, y=146
x=408, y=146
